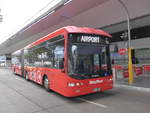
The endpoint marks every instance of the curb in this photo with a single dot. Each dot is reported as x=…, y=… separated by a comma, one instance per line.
x=133, y=88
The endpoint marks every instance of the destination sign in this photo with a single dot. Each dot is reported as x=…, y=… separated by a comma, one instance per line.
x=87, y=38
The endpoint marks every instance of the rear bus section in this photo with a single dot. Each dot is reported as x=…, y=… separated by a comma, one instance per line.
x=17, y=62
x=17, y=69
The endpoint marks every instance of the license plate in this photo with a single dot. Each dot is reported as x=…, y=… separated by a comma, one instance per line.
x=96, y=89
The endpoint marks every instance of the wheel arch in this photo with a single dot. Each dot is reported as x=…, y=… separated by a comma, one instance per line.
x=44, y=78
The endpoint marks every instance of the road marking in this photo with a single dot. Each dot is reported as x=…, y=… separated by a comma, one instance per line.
x=17, y=78
x=97, y=104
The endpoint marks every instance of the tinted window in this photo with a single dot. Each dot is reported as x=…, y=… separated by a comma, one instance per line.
x=47, y=54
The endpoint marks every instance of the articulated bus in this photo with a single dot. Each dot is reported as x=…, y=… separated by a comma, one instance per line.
x=71, y=61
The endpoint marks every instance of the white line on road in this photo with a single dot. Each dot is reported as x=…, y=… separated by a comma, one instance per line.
x=97, y=104
x=17, y=78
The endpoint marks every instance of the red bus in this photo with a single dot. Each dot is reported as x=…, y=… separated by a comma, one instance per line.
x=17, y=62
x=71, y=61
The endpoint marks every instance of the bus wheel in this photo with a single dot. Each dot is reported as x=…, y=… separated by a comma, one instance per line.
x=46, y=83
x=27, y=76
x=15, y=72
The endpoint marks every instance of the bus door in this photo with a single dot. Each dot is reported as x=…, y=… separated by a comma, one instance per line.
x=53, y=61
x=39, y=72
x=58, y=62
x=33, y=73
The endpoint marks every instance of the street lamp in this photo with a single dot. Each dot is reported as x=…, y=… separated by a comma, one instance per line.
x=129, y=43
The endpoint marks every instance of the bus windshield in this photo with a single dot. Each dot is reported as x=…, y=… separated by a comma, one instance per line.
x=89, y=60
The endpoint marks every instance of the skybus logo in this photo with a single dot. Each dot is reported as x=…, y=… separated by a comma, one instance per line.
x=90, y=39
x=95, y=81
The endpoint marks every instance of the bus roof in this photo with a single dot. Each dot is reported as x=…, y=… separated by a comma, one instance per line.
x=71, y=29
x=74, y=29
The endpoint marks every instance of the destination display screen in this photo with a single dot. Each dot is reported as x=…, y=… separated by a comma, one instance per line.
x=87, y=38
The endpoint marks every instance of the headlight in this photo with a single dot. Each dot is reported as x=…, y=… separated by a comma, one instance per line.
x=71, y=84
x=77, y=84
x=110, y=79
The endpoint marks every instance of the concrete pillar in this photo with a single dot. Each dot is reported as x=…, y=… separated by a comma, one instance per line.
x=8, y=60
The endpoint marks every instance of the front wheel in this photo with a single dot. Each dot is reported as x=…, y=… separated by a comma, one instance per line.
x=27, y=76
x=15, y=72
x=46, y=83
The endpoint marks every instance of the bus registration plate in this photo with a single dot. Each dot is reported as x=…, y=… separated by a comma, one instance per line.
x=96, y=89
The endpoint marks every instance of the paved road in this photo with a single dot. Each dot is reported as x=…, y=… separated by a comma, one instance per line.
x=19, y=96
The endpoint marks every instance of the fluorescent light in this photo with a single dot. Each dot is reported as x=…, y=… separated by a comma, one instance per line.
x=47, y=15
x=67, y=2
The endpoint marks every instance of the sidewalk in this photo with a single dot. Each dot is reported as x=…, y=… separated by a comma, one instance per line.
x=141, y=82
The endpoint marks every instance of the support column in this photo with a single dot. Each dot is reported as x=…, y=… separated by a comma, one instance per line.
x=8, y=60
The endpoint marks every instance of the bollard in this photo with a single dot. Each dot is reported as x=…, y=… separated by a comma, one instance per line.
x=114, y=75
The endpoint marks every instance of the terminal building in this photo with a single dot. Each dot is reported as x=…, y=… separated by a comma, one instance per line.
x=2, y=61
x=108, y=15
x=140, y=39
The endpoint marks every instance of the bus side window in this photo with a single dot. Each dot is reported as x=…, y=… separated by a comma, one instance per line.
x=59, y=55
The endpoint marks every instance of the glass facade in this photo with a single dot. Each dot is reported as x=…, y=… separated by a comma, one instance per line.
x=139, y=56
x=143, y=55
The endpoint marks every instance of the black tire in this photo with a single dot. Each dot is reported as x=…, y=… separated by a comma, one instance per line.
x=46, y=83
x=27, y=76
x=14, y=72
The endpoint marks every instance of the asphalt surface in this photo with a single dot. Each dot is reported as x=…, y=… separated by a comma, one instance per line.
x=20, y=96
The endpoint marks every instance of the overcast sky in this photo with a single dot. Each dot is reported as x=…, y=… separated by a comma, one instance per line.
x=16, y=13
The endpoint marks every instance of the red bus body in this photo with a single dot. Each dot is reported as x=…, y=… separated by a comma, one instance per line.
x=59, y=78
x=17, y=69
x=16, y=65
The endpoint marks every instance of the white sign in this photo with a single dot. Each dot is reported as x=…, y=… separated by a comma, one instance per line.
x=90, y=39
x=95, y=81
